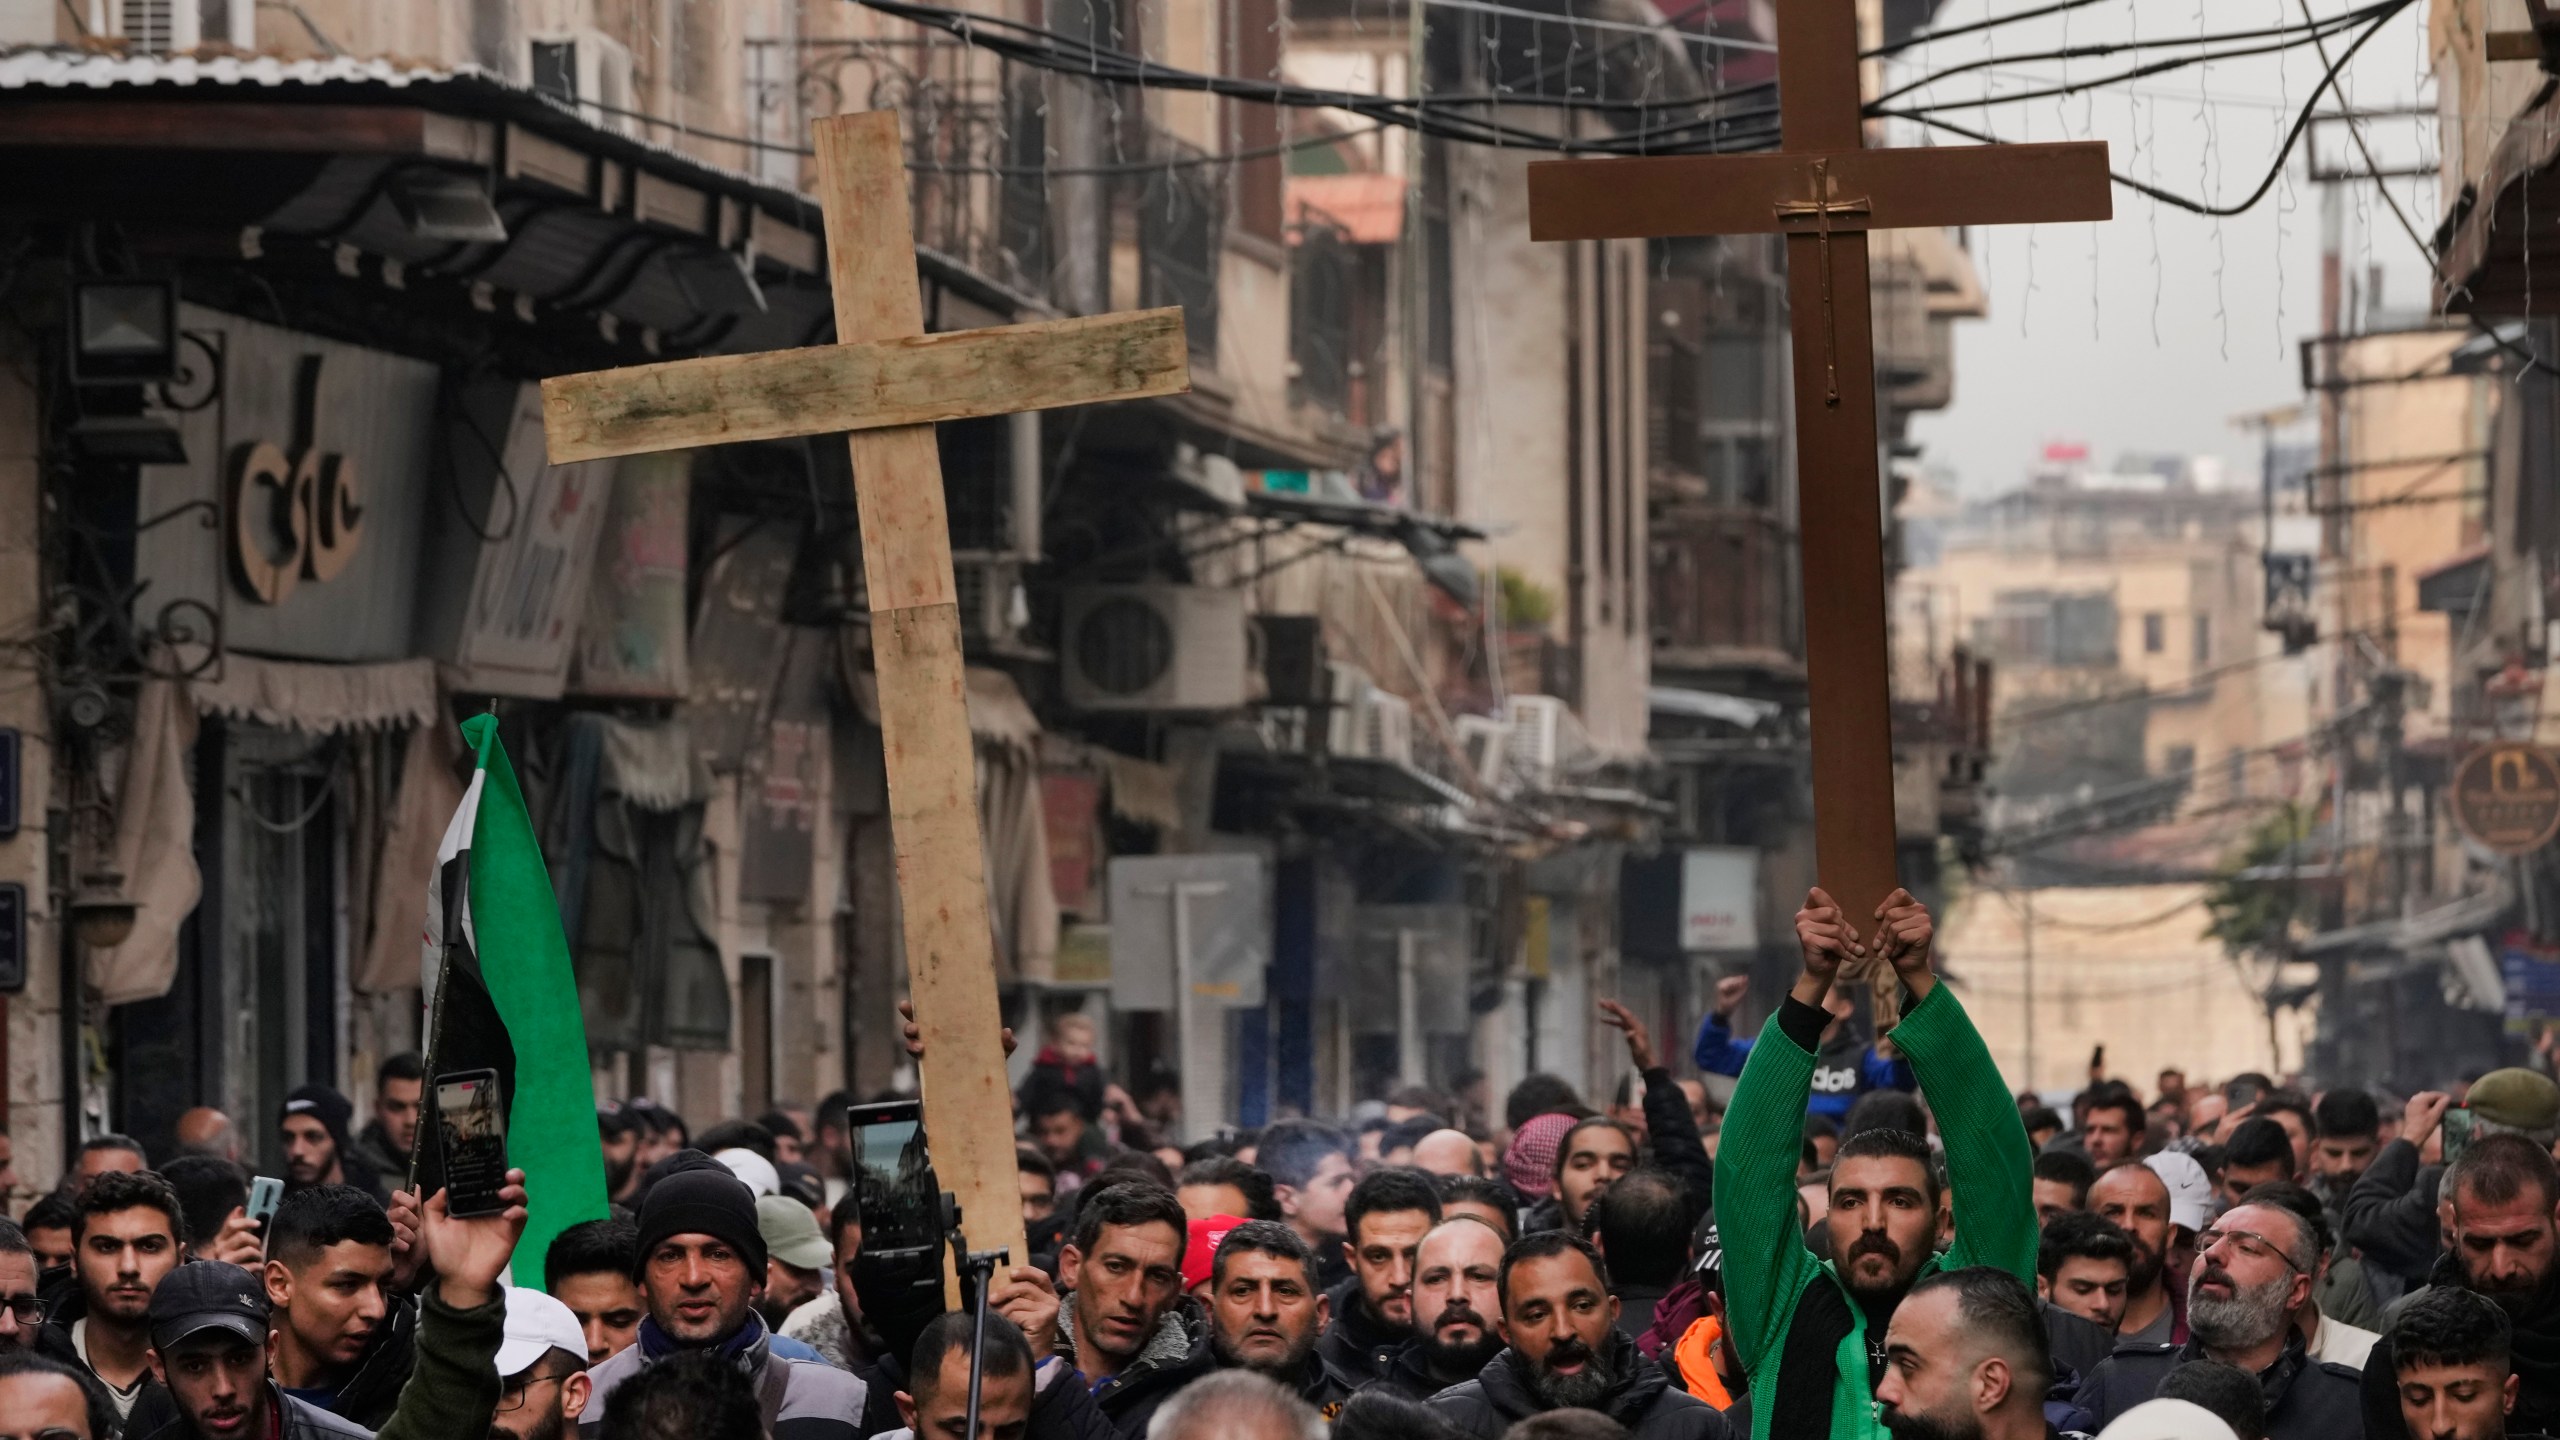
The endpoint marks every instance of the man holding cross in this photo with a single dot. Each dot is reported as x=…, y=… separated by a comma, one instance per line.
x=1811, y=1332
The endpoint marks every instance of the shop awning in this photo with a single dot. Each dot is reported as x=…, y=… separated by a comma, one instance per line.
x=319, y=699
x=1367, y=208
x=2469, y=915
x=2486, y=246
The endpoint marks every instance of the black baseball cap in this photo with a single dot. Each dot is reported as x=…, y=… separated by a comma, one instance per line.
x=207, y=1295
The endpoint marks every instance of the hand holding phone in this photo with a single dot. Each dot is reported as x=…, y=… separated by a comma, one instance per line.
x=471, y=1128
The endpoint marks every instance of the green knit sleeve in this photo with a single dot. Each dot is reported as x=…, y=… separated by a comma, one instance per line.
x=1990, y=1165
x=1765, y=1262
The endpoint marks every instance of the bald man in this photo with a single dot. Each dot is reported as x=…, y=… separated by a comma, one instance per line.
x=207, y=1131
x=1448, y=1152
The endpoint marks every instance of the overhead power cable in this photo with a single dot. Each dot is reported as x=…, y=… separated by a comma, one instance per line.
x=2283, y=37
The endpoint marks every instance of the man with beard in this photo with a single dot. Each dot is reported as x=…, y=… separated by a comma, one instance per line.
x=797, y=1257
x=1265, y=1314
x=1965, y=1360
x=392, y=1133
x=2113, y=1128
x=317, y=1150
x=2453, y=1354
x=1810, y=1332
x=542, y=1369
x=208, y=1328
x=2349, y=1128
x=620, y=1135
x=1386, y=1217
x=1457, y=1276
x=2254, y=1268
x=701, y=1266
x=126, y=1236
x=1593, y=1154
x=1565, y=1352
x=2498, y=1208
x=2137, y=1201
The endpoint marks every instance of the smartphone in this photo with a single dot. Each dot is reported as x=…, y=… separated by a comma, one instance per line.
x=471, y=1134
x=2457, y=1132
x=265, y=1193
x=901, y=1199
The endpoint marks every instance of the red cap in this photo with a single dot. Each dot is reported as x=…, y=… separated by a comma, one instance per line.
x=1207, y=1234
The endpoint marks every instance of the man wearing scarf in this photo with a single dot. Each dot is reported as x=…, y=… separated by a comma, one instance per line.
x=701, y=1266
x=2499, y=1201
x=1809, y=1331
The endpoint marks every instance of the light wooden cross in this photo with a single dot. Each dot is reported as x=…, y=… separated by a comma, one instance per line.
x=886, y=381
x=1824, y=191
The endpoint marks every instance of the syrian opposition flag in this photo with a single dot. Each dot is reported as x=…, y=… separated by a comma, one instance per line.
x=501, y=996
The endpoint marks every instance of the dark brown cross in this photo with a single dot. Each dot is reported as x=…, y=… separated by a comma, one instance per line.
x=1824, y=191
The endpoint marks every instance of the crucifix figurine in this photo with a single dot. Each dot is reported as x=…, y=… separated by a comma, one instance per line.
x=1824, y=191
x=886, y=382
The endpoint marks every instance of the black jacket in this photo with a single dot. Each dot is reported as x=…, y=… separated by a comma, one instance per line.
x=2306, y=1400
x=1171, y=1359
x=2390, y=1215
x=1359, y=1345
x=1672, y=1133
x=1646, y=1402
x=2534, y=1354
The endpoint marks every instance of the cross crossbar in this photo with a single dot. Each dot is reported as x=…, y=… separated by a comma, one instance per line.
x=1660, y=196
x=824, y=389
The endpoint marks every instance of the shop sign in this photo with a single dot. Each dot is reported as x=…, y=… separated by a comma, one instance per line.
x=2506, y=797
x=1720, y=898
x=295, y=514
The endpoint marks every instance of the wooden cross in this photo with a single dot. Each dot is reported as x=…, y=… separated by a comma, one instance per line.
x=886, y=381
x=1824, y=191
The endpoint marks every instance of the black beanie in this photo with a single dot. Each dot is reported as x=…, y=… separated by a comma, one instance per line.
x=709, y=1202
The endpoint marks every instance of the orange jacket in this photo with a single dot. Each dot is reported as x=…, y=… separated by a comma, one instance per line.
x=1694, y=1359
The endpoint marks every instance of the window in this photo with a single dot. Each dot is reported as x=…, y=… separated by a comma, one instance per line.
x=2155, y=633
x=2237, y=768
x=2180, y=759
x=2204, y=639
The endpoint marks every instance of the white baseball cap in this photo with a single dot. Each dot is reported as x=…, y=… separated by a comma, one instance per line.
x=2190, y=1193
x=752, y=1168
x=2168, y=1420
x=536, y=1326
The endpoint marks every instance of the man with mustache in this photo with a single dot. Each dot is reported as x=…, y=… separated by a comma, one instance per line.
x=1457, y=1272
x=1965, y=1359
x=1265, y=1314
x=1372, y=1323
x=2254, y=1268
x=2497, y=1204
x=2135, y=1198
x=1131, y=1341
x=126, y=1235
x=1810, y=1332
x=1565, y=1353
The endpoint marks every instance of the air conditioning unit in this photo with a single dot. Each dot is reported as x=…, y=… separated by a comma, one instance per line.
x=1487, y=742
x=1546, y=740
x=586, y=68
x=168, y=27
x=1386, y=728
x=993, y=608
x=1346, y=698
x=1154, y=647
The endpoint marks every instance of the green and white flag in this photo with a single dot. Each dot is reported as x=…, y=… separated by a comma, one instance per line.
x=501, y=996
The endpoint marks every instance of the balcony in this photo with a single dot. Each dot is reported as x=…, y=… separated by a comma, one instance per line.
x=1181, y=213
x=1724, y=593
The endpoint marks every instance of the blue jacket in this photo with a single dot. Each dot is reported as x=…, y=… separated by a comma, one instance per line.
x=1843, y=1071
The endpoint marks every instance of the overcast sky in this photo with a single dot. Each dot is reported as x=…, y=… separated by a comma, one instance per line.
x=2149, y=332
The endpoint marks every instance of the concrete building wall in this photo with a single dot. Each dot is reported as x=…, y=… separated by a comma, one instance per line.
x=33, y=1026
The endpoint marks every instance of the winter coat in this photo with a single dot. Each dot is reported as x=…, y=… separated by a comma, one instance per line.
x=799, y=1399
x=1359, y=1345
x=2390, y=1216
x=1846, y=1067
x=1644, y=1400
x=1174, y=1356
x=2306, y=1400
x=451, y=1391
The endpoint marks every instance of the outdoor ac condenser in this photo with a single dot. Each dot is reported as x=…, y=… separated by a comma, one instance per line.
x=1154, y=647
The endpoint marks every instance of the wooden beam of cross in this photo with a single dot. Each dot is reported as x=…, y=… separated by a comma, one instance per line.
x=1824, y=191
x=884, y=380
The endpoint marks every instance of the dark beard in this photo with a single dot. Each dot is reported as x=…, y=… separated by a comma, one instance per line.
x=1582, y=1391
x=2518, y=1301
x=1456, y=1363
x=1904, y=1425
x=618, y=1175
x=1286, y=1370
x=1871, y=1296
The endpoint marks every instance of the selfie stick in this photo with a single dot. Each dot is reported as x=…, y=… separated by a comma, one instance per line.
x=977, y=1267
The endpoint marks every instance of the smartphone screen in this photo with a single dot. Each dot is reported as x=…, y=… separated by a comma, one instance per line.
x=901, y=1203
x=472, y=1126
x=2457, y=1133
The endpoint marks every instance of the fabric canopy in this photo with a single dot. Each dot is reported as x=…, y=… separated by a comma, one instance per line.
x=320, y=699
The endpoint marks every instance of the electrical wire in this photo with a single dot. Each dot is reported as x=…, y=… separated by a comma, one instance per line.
x=2275, y=171
x=2310, y=33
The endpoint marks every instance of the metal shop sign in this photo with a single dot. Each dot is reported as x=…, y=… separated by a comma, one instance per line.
x=2506, y=797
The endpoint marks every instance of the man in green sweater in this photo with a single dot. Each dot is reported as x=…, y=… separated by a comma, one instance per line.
x=1810, y=1332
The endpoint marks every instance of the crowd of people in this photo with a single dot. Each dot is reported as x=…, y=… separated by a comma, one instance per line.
x=1869, y=1236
